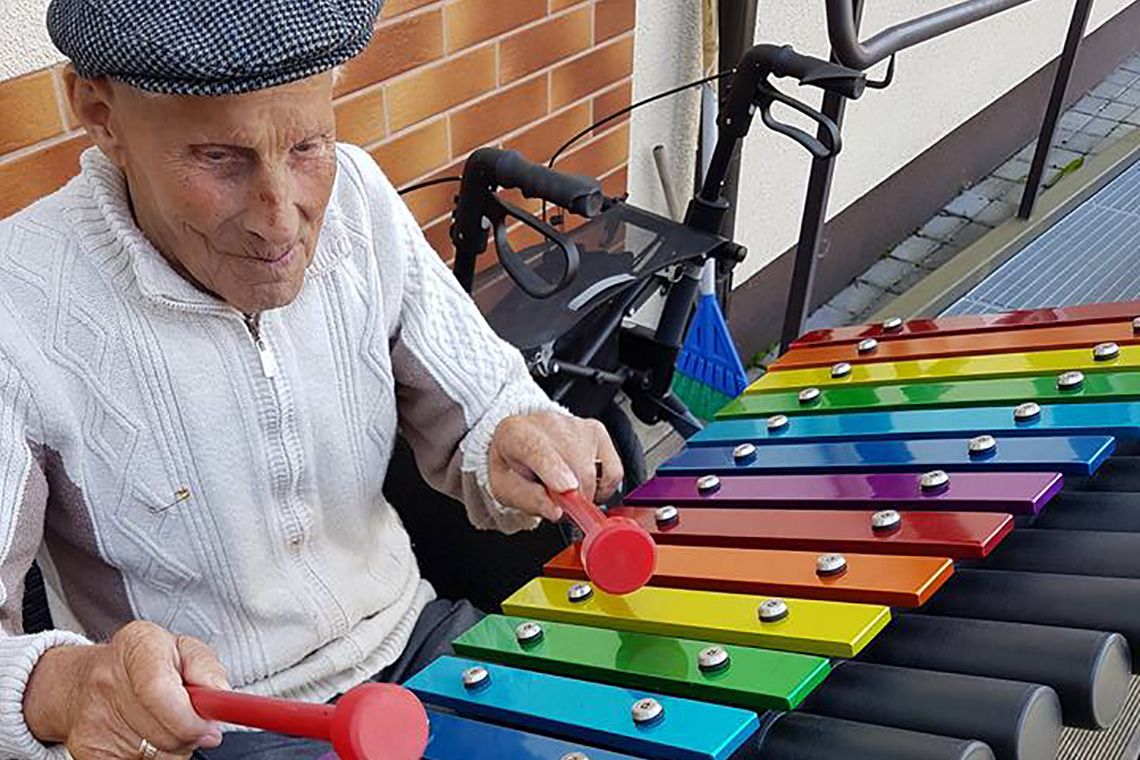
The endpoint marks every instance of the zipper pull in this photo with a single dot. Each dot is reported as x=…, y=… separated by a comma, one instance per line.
x=264, y=352
x=268, y=360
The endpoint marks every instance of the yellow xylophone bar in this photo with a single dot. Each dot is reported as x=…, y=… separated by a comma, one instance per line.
x=1092, y=359
x=829, y=629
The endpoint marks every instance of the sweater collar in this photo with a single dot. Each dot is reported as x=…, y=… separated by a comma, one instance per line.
x=156, y=278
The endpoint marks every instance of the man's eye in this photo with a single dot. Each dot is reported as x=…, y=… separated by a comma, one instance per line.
x=214, y=156
x=307, y=148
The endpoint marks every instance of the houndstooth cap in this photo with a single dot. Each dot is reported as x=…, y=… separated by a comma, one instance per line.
x=209, y=47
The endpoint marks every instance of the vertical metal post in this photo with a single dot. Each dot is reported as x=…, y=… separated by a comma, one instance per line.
x=1076, y=34
x=814, y=217
x=737, y=22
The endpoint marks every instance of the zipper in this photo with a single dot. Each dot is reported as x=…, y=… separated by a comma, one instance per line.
x=264, y=352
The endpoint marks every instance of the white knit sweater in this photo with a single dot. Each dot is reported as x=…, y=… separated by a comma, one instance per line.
x=121, y=385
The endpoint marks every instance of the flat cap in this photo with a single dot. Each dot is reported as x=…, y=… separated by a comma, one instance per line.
x=209, y=47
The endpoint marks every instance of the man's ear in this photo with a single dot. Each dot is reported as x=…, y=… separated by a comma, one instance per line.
x=92, y=101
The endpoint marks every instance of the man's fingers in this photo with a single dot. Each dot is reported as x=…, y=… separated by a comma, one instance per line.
x=162, y=712
x=199, y=664
x=201, y=667
x=529, y=449
x=525, y=494
x=612, y=471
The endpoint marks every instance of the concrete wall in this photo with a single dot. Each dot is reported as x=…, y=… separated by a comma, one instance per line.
x=938, y=86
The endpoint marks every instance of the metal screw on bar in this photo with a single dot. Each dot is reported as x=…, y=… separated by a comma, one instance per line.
x=667, y=515
x=580, y=592
x=867, y=345
x=830, y=565
x=743, y=453
x=529, y=633
x=1136, y=325
x=1106, y=352
x=843, y=369
x=712, y=659
x=647, y=710
x=892, y=324
x=575, y=756
x=935, y=480
x=809, y=396
x=476, y=677
x=773, y=610
x=708, y=483
x=886, y=521
x=777, y=422
x=1070, y=381
x=982, y=446
x=1027, y=412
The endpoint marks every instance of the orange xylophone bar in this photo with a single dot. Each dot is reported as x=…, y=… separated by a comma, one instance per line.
x=859, y=578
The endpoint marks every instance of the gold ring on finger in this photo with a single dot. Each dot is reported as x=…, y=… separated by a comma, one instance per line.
x=147, y=751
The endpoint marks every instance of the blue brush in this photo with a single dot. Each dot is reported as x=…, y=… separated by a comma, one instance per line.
x=709, y=371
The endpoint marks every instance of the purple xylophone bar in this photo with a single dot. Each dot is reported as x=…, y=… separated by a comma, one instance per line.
x=1018, y=493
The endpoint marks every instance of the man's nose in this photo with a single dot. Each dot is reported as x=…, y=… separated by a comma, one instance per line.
x=272, y=214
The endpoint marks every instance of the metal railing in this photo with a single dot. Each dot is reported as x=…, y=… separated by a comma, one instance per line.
x=843, y=18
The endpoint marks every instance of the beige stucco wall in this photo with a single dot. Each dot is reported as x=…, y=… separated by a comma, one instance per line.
x=24, y=43
x=939, y=85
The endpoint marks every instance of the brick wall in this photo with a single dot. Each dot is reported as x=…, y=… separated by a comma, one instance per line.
x=441, y=78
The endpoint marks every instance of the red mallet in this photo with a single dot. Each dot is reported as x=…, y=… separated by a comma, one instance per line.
x=371, y=722
x=619, y=556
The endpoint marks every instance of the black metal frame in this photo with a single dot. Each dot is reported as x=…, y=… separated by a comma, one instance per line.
x=843, y=18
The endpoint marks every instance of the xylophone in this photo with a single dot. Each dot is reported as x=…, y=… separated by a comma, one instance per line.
x=911, y=541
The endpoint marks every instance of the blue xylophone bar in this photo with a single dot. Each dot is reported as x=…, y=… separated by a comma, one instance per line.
x=670, y=728
x=1119, y=420
x=1079, y=455
x=456, y=738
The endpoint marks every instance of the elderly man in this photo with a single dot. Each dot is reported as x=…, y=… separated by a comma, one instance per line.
x=208, y=341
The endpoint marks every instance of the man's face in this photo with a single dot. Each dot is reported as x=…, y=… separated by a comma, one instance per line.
x=232, y=190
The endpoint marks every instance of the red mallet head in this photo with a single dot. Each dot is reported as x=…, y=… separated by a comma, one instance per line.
x=371, y=722
x=618, y=555
x=379, y=722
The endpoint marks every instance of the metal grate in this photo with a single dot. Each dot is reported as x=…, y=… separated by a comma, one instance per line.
x=1091, y=255
x=1121, y=742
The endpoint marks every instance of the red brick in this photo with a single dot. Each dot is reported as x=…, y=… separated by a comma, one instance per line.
x=398, y=46
x=414, y=153
x=431, y=203
x=610, y=102
x=436, y=89
x=612, y=17
x=30, y=111
x=540, y=46
x=575, y=80
x=394, y=8
x=472, y=21
x=540, y=141
x=497, y=115
x=27, y=179
x=600, y=157
x=360, y=120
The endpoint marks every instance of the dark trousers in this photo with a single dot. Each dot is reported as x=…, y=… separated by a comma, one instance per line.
x=439, y=624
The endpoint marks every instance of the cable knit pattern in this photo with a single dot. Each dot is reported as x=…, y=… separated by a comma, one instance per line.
x=121, y=385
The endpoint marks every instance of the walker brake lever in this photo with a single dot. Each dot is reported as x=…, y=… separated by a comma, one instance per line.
x=821, y=149
x=534, y=285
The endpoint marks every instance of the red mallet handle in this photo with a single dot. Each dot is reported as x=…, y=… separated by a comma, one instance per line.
x=619, y=556
x=370, y=722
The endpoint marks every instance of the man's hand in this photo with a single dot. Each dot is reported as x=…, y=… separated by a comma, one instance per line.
x=534, y=451
x=102, y=701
